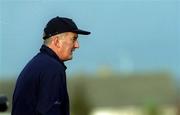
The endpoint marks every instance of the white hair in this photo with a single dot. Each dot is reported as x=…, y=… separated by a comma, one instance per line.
x=49, y=40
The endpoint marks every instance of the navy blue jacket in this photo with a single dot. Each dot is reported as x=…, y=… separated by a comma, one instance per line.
x=41, y=86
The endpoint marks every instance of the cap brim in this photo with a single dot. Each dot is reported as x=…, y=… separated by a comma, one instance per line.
x=83, y=32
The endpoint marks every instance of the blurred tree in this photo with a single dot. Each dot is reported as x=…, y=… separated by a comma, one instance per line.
x=80, y=104
x=178, y=104
x=151, y=108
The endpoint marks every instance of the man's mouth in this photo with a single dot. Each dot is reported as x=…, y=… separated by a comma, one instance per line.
x=72, y=50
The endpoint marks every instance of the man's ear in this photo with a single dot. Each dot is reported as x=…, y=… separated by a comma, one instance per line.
x=56, y=41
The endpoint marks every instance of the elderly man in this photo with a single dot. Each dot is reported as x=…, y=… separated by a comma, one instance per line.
x=41, y=86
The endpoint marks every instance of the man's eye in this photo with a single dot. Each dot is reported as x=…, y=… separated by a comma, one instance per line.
x=74, y=39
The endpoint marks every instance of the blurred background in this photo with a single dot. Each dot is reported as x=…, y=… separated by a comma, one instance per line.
x=129, y=65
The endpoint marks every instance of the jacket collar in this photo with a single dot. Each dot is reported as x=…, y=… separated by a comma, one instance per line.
x=50, y=52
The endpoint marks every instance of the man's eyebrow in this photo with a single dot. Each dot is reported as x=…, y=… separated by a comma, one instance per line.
x=75, y=37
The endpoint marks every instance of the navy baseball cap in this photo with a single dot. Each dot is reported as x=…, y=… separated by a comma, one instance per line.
x=59, y=25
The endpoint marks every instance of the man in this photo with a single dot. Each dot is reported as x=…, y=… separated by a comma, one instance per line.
x=41, y=86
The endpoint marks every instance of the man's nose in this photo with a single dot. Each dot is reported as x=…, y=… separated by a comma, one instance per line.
x=76, y=45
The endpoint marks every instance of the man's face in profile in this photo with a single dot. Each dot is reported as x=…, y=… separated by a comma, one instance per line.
x=68, y=44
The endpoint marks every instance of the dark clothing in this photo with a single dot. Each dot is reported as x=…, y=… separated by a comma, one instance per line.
x=41, y=86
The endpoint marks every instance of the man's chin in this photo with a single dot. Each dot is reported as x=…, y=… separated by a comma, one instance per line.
x=70, y=58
